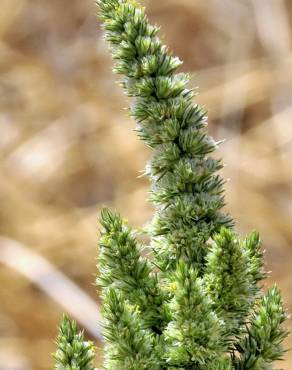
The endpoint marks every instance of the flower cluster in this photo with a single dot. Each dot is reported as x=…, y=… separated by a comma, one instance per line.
x=195, y=302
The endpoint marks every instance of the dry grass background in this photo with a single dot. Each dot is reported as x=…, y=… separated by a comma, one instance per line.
x=67, y=147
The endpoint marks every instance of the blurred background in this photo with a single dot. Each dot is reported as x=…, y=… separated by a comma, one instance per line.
x=67, y=148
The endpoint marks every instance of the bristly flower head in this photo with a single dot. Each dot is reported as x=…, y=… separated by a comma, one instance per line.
x=195, y=301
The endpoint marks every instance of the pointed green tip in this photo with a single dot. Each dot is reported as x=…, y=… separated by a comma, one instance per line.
x=73, y=352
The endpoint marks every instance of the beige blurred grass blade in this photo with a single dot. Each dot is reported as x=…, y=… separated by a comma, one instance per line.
x=273, y=25
x=53, y=283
